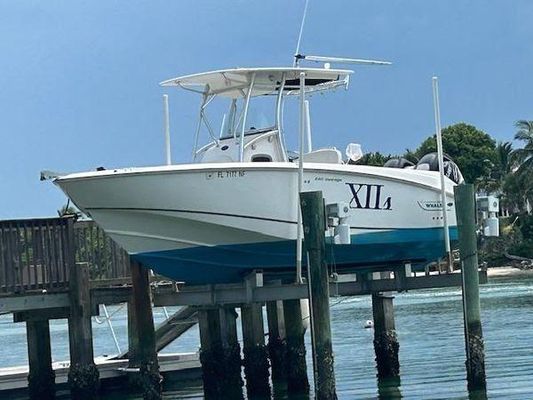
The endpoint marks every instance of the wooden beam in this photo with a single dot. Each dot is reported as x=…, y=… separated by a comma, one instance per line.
x=9, y=304
x=239, y=294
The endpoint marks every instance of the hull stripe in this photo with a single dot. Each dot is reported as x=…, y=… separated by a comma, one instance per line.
x=236, y=216
x=190, y=212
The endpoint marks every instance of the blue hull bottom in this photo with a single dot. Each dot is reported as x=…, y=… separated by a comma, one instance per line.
x=229, y=263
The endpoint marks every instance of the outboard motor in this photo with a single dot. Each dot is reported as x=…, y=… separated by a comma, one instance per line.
x=398, y=163
x=430, y=162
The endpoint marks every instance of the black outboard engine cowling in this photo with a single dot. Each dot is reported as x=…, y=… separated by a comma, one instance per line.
x=430, y=162
x=398, y=163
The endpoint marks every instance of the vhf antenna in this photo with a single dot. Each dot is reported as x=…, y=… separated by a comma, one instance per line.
x=327, y=60
x=297, y=52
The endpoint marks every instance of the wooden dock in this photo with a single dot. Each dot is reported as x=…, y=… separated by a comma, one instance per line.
x=60, y=268
x=110, y=368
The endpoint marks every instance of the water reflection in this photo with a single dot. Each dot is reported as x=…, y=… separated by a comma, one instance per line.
x=389, y=388
x=279, y=392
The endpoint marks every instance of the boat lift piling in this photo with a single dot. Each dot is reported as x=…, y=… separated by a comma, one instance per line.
x=220, y=353
x=314, y=224
x=41, y=380
x=256, y=363
x=277, y=340
x=83, y=376
x=149, y=379
x=297, y=381
x=386, y=345
x=466, y=225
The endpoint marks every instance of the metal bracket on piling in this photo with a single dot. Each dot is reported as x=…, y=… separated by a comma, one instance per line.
x=251, y=281
x=400, y=276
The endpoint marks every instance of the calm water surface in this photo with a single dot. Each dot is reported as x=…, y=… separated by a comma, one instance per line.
x=430, y=331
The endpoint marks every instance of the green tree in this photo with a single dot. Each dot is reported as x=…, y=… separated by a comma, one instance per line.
x=411, y=156
x=501, y=170
x=374, y=158
x=517, y=190
x=473, y=150
x=525, y=154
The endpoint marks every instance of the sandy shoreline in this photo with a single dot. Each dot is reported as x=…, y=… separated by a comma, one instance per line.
x=508, y=272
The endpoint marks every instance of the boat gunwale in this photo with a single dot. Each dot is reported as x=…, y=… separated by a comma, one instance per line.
x=363, y=170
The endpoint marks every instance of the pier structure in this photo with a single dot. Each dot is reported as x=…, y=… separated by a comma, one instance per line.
x=60, y=268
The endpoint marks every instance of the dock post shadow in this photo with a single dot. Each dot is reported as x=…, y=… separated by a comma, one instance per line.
x=474, y=345
x=83, y=376
x=148, y=379
x=297, y=380
x=277, y=340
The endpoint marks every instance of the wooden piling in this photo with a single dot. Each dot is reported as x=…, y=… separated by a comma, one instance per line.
x=297, y=381
x=466, y=224
x=386, y=344
x=133, y=337
x=148, y=379
x=41, y=378
x=256, y=365
x=220, y=353
x=277, y=343
x=83, y=376
x=231, y=352
x=312, y=206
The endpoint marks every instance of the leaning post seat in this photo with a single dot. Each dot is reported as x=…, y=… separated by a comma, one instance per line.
x=327, y=156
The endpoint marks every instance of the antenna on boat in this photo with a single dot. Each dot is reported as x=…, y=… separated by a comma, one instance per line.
x=341, y=60
x=327, y=60
x=297, y=52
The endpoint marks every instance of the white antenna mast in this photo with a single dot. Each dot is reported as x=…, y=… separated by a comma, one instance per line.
x=297, y=52
x=440, y=152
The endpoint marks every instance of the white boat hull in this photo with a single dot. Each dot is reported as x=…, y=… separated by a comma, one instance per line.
x=207, y=223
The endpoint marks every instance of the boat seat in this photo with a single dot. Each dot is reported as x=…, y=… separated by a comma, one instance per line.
x=328, y=156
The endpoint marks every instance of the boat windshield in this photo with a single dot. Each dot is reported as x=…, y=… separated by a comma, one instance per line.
x=261, y=117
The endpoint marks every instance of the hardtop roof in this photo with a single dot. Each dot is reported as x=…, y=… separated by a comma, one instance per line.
x=234, y=83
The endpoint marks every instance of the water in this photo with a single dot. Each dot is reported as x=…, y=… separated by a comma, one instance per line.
x=430, y=331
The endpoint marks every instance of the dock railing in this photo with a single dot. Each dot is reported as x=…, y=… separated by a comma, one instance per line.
x=36, y=254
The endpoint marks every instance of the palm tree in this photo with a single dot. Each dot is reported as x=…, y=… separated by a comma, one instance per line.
x=501, y=169
x=524, y=155
x=504, y=152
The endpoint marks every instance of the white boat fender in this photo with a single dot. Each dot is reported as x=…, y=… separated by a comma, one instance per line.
x=369, y=324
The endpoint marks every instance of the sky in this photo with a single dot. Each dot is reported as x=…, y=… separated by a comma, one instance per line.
x=79, y=79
